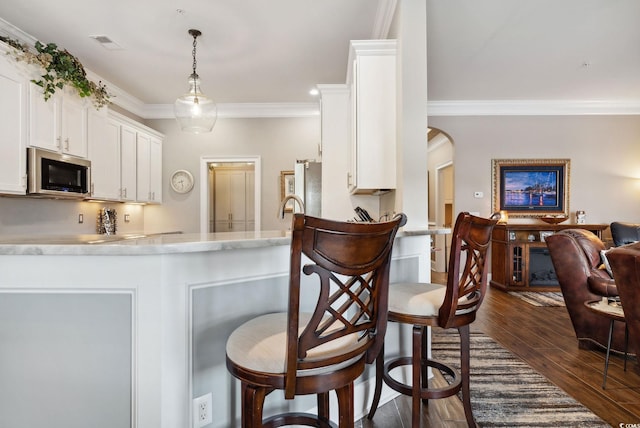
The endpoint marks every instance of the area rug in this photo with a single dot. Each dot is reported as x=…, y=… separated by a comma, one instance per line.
x=540, y=298
x=506, y=392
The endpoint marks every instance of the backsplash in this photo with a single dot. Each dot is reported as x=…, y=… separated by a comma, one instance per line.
x=33, y=216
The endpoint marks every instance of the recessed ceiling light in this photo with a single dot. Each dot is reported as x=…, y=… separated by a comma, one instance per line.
x=314, y=92
x=106, y=42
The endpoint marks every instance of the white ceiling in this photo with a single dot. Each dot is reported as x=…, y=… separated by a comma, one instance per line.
x=258, y=51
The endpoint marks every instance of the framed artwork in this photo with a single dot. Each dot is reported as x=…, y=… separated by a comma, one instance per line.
x=531, y=187
x=287, y=187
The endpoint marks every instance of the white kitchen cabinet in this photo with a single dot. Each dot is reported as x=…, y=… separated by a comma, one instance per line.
x=372, y=79
x=104, y=153
x=126, y=159
x=128, y=163
x=155, y=170
x=233, y=200
x=149, y=168
x=58, y=124
x=13, y=132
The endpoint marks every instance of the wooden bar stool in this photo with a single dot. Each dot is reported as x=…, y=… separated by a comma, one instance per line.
x=314, y=353
x=452, y=306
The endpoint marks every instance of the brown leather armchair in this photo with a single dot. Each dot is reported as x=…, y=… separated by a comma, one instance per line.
x=625, y=262
x=576, y=258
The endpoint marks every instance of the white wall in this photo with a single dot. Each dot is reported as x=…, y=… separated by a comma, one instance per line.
x=278, y=142
x=604, y=153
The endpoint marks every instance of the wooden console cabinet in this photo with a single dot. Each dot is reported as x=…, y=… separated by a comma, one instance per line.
x=520, y=259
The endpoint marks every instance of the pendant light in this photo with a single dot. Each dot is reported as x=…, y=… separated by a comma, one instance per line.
x=195, y=111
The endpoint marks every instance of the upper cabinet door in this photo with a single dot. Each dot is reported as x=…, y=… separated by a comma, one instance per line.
x=104, y=153
x=58, y=124
x=128, y=163
x=155, y=170
x=13, y=132
x=73, y=127
x=143, y=153
x=149, y=170
x=44, y=120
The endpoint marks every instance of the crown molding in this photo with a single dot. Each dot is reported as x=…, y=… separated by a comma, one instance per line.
x=533, y=108
x=240, y=110
x=384, y=17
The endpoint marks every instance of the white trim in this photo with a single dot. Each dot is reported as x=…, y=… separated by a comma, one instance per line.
x=532, y=107
x=204, y=187
x=434, y=108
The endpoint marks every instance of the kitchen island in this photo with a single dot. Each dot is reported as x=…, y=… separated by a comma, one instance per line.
x=125, y=331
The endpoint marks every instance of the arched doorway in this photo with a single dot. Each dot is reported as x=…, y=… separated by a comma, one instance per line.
x=441, y=193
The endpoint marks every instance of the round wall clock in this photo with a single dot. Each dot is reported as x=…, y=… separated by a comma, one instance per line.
x=182, y=181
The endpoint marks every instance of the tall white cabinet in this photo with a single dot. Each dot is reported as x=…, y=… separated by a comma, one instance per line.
x=372, y=79
x=234, y=196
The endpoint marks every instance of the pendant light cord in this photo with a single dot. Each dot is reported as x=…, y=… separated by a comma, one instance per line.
x=195, y=36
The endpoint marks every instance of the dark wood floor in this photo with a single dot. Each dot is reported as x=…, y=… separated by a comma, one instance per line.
x=543, y=338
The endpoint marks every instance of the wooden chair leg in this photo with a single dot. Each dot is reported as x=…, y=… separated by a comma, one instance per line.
x=323, y=405
x=416, y=384
x=423, y=357
x=378, y=387
x=465, y=373
x=345, y=406
x=252, y=405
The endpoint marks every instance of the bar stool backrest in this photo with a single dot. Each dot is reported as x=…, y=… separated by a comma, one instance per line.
x=468, y=267
x=351, y=262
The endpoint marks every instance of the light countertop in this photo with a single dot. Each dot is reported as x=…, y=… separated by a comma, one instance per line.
x=169, y=243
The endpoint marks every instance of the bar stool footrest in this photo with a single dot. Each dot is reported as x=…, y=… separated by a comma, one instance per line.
x=452, y=388
x=296, y=418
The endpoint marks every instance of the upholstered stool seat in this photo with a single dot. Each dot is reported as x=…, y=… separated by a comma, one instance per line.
x=260, y=345
x=326, y=349
x=426, y=305
x=416, y=299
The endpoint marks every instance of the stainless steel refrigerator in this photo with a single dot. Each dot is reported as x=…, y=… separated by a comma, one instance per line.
x=308, y=185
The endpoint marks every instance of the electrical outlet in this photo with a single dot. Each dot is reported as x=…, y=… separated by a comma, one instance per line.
x=202, y=410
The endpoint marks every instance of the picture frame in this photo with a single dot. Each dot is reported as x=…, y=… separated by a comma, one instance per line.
x=287, y=186
x=531, y=187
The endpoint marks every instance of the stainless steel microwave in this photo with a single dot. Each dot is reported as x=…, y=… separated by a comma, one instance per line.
x=57, y=175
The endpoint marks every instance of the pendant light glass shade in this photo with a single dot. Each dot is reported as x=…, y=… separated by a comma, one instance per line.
x=195, y=111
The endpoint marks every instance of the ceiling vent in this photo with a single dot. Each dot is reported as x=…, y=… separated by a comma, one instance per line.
x=106, y=43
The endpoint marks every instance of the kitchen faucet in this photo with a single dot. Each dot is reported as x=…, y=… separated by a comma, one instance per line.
x=286, y=199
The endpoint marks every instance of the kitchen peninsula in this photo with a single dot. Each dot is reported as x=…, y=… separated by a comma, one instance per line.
x=134, y=327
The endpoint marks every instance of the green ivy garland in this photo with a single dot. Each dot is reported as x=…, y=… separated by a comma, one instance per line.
x=60, y=68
